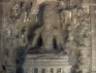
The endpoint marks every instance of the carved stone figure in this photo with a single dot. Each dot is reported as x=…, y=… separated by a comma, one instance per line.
x=50, y=33
x=53, y=35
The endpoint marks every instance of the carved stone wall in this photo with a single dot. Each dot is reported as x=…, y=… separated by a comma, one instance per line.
x=78, y=29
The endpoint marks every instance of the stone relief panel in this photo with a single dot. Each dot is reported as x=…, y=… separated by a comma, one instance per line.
x=47, y=29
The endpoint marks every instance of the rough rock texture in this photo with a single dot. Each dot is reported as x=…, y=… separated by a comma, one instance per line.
x=66, y=26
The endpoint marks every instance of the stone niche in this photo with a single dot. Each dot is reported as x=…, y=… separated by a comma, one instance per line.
x=45, y=63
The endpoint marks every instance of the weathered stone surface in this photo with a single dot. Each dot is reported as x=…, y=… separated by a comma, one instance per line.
x=68, y=25
x=47, y=62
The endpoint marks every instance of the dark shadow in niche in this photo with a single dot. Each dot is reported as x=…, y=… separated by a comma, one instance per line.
x=20, y=58
x=54, y=43
x=57, y=47
x=3, y=67
x=37, y=48
x=39, y=42
x=31, y=32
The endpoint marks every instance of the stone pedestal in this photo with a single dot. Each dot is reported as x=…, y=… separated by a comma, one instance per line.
x=46, y=63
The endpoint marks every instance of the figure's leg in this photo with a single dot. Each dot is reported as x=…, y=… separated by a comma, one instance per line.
x=37, y=35
x=48, y=40
x=60, y=41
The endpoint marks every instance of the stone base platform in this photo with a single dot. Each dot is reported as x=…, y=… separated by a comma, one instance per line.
x=46, y=63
